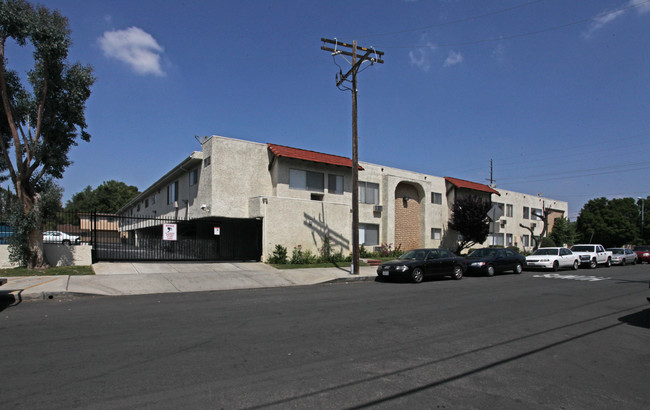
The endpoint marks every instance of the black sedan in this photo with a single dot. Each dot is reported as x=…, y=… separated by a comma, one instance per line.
x=488, y=261
x=418, y=263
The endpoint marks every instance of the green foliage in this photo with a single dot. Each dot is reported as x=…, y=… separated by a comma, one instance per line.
x=300, y=257
x=610, y=222
x=547, y=243
x=40, y=119
x=279, y=255
x=470, y=219
x=108, y=197
x=564, y=232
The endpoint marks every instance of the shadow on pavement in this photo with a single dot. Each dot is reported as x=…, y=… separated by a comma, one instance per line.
x=639, y=319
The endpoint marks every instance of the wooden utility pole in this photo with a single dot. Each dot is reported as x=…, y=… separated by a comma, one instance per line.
x=373, y=56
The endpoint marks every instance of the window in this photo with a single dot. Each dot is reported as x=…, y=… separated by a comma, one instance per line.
x=138, y=207
x=436, y=198
x=172, y=193
x=524, y=240
x=207, y=161
x=509, y=239
x=536, y=214
x=335, y=184
x=368, y=234
x=146, y=203
x=154, y=197
x=509, y=211
x=306, y=180
x=496, y=239
x=194, y=176
x=368, y=193
x=526, y=213
x=436, y=233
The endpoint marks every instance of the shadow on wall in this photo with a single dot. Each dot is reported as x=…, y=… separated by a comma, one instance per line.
x=320, y=230
x=67, y=255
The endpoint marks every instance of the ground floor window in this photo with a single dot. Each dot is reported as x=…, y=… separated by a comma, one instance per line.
x=509, y=239
x=524, y=240
x=368, y=234
x=496, y=239
x=436, y=233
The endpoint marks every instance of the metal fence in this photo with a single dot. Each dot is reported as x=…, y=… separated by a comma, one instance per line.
x=130, y=238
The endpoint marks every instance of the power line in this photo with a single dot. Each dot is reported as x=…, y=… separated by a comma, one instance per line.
x=463, y=20
x=529, y=33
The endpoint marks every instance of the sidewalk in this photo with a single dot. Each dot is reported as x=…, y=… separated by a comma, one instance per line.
x=115, y=279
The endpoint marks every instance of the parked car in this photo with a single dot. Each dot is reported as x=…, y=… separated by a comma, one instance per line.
x=642, y=253
x=592, y=255
x=623, y=256
x=553, y=258
x=488, y=261
x=60, y=237
x=6, y=232
x=417, y=264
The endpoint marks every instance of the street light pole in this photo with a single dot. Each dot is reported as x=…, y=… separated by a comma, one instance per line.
x=642, y=213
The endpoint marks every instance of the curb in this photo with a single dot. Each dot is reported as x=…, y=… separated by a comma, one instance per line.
x=352, y=278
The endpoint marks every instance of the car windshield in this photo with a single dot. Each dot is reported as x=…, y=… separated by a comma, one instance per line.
x=482, y=253
x=642, y=248
x=417, y=254
x=546, y=252
x=617, y=251
x=582, y=249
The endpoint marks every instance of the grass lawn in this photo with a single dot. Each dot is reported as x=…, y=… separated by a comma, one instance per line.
x=53, y=271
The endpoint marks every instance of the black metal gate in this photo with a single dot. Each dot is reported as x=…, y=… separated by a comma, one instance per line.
x=129, y=238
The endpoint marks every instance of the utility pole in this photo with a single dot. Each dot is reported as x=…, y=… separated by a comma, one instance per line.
x=373, y=56
x=492, y=181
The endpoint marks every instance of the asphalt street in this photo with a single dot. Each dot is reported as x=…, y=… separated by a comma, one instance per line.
x=565, y=340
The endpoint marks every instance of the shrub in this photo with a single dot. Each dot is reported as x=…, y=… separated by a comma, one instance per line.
x=296, y=255
x=364, y=253
x=547, y=242
x=279, y=255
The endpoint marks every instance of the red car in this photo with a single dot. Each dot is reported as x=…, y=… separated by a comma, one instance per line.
x=643, y=252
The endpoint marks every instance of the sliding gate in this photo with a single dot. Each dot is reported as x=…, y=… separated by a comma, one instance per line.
x=127, y=238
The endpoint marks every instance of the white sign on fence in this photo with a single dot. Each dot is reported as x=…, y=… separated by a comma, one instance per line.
x=169, y=232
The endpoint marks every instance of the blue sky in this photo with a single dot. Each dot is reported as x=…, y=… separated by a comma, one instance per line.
x=555, y=92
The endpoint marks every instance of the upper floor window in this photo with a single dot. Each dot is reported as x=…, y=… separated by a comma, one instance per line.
x=436, y=198
x=536, y=214
x=526, y=212
x=146, y=203
x=194, y=176
x=307, y=180
x=509, y=210
x=207, y=161
x=172, y=193
x=368, y=193
x=335, y=184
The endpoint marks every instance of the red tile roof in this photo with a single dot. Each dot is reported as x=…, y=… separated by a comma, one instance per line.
x=295, y=153
x=461, y=183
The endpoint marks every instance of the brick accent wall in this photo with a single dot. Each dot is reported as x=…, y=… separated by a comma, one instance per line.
x=407, y=217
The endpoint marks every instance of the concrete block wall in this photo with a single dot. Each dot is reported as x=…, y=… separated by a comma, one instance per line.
x=55, y=255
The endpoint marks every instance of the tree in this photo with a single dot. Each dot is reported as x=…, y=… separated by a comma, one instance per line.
x=612, y=222
x=564, y=232
x=470, y=219
x=108, y=197
x=39, y=124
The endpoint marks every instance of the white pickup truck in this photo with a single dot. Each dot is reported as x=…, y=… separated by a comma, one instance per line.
x=592, y=255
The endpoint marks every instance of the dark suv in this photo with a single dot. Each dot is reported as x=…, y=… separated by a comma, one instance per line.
x=643, y=253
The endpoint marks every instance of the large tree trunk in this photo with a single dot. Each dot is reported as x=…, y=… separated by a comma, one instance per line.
x=36, y=258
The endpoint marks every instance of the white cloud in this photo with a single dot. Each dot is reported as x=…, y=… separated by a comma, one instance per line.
x=453, y=58
x=642, y=7
x=134, y=47
x=421, y=56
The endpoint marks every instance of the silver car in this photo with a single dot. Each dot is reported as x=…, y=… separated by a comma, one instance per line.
x=623, y=256
x=60, y=237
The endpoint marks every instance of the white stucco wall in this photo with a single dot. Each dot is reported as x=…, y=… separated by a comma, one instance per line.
x=55, y=255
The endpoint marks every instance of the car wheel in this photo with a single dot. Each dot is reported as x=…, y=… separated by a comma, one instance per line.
x=458, y=272
x=556, y=266
x=575, y=265
x=634, y=262
x=593, y=264
x=490, y=270
x=624, y=262
x=417, y=275
x=608, y=263
x=65, y=242
x=518, y=268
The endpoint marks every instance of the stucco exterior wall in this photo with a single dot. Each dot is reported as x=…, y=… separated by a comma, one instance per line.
x=55, y=255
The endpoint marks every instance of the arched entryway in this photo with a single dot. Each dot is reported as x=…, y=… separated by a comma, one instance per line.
x=407, y=216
